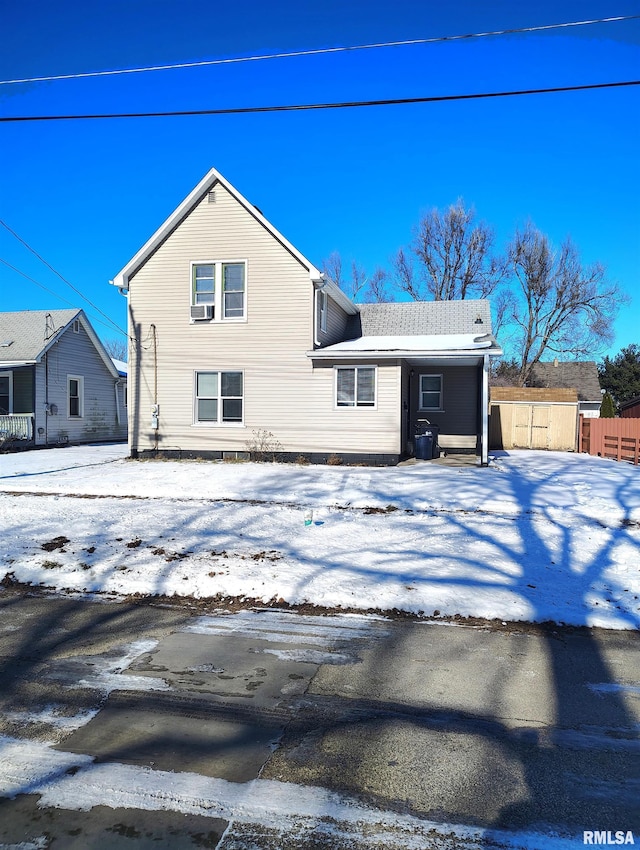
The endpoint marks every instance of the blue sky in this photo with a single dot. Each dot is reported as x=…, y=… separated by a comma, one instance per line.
x=87, y=194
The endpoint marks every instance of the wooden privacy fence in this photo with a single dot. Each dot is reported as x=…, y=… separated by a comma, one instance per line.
x=617, y=439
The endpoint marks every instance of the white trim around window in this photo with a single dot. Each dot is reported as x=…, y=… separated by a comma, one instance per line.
x=218, y=398
x=355, y=387
x=75, y=397
x=430, y=392
x=221, y=284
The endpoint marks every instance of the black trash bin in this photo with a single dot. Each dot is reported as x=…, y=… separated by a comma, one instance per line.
x=424, y=446
x=432, y=431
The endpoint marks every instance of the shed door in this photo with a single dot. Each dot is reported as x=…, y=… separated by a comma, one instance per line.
x=540, y=427
x=521, y=426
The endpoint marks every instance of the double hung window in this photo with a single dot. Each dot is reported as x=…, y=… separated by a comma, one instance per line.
x=430, y=392
x=75, y=396
x=219, y=398
x=355, y=386
x=222, y=286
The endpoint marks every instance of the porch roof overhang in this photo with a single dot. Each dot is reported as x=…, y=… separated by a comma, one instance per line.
x=16, y=364
x=452, y=347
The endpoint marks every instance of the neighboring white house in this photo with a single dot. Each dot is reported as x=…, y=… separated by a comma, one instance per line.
x=57, y=382
x=235, y=332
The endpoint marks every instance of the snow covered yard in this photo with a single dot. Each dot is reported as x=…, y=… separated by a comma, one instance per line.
x=535, y=536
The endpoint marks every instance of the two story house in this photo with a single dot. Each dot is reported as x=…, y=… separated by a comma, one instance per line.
x=234, y=331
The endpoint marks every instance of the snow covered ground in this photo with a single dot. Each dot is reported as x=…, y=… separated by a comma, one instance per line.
x=535, y=536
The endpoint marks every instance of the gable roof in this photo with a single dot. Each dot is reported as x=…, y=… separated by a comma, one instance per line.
x=580, y=375
x=27, y=335
x=210, y=179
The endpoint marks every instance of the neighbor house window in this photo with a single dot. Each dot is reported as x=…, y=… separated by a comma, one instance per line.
x=219, y=397
x=355, y=386
x=430, y=392
x=75, y=396
x=223, y=286
x=6, y=392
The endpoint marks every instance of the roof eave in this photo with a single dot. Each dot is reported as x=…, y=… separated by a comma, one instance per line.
x=355, y=354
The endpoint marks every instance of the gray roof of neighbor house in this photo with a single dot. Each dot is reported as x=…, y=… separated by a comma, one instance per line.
x=579, y=375
x=26, y=335
x=423, y=318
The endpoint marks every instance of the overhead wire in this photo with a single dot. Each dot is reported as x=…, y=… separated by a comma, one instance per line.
x=56, y=295
x=305, y=107
x=316, y=51
x=62, y=278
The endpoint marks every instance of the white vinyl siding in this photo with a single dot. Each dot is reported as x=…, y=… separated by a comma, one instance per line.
x=355, y=386
x=223, y=286
x=218, y=398
x=430, y=392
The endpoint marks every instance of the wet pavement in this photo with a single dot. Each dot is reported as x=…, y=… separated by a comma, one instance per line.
x=136, y=725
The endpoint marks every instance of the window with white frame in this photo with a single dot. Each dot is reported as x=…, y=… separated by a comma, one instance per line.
x=218, y=398
x=323, y=309
x=355, y=386
x=430, y=392
x=75, y=396
x=221, y=285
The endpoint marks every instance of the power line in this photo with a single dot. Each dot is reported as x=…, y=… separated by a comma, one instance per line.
x=304, y=107
x=111, y=324
x=63, y=279
x=315, y=52
x=55, y=294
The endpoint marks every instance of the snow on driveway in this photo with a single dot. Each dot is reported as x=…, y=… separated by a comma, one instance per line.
x=535, y=536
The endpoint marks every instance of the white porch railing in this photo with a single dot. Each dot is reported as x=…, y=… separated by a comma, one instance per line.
x=16, y=426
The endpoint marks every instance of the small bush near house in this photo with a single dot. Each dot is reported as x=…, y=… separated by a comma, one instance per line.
x=334, y=460
x=263, y=445
x=302, y=460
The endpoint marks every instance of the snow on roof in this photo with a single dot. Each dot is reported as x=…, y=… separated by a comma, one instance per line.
x=414, y=344
x=121, y=366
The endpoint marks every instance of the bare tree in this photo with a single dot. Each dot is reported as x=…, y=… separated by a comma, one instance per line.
x=559, y=305
x=116, y=348
x=357, y=286
x=450, y=257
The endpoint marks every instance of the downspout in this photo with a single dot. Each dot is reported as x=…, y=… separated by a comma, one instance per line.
x=46, y=398
x=484, y=446
x=115, y=387
x=155, y=387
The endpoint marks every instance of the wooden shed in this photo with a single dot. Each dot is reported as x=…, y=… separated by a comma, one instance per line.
x=533, y=418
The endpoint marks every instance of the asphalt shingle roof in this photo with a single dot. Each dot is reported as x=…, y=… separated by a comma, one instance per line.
x=26, y=332
x=579, y=375
x=424, y=318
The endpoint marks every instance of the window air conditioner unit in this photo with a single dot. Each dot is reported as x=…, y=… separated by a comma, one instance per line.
x=202, y=311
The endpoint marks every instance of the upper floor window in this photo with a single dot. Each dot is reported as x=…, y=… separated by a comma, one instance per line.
x=355, y=386
x=221, y=286
x=323, y=307
x=430, y=392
